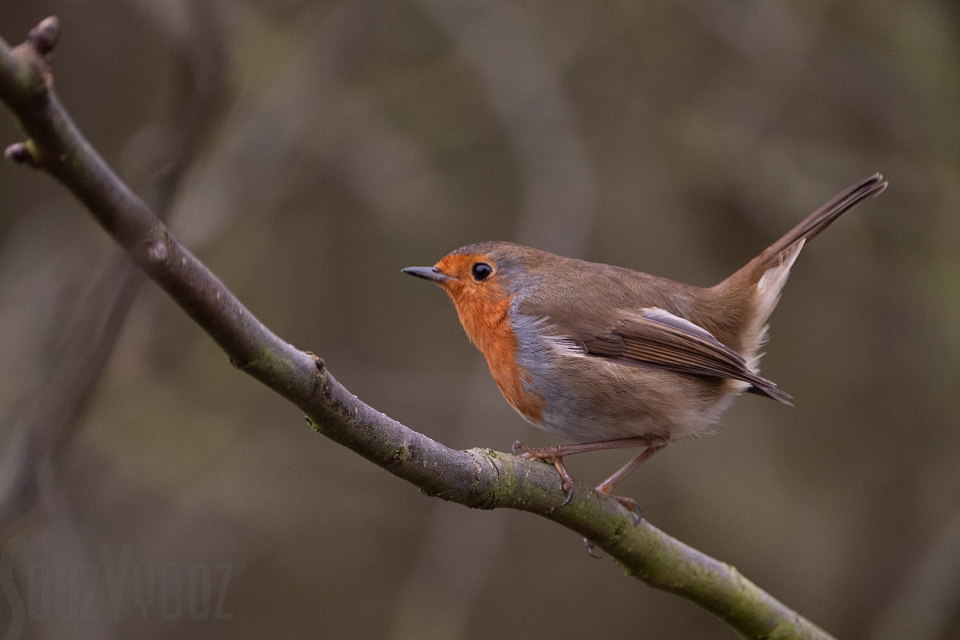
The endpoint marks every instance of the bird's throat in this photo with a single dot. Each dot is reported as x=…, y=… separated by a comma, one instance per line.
x=486, y=320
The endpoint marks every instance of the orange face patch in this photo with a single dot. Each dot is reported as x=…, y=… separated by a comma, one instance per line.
x=484, y=311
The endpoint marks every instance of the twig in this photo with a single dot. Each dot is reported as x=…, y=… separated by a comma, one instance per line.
x=478, y=478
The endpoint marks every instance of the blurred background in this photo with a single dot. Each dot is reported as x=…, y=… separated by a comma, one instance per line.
x=307, y=151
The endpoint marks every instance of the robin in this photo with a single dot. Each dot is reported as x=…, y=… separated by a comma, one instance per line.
x=613, y=358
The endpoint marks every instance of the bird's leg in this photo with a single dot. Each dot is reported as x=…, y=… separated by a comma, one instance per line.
x=564, y=450
x=607, y=485
x=554, y=455
x=630, y=504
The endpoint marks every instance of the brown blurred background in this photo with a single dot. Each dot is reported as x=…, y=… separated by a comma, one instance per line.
x=307, y=151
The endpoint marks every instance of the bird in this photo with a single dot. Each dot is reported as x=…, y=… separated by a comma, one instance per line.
x=611, y=358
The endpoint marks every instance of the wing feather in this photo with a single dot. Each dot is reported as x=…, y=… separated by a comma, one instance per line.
x=654, y=337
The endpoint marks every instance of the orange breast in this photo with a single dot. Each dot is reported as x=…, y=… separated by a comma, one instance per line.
x=484, y=311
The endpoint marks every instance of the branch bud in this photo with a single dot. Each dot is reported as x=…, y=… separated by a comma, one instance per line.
x=19, y=153
x=43, y=37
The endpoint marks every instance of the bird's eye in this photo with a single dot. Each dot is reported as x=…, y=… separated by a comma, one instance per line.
x=481, y=271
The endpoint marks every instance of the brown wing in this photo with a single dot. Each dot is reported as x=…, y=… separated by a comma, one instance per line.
x=656, y=338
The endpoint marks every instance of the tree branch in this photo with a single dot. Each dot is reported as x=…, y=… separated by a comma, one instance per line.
x=477, y=478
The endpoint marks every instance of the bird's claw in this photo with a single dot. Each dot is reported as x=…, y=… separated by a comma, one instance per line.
x=630, y=505
x=548, y=455
x=520, y=449
x=591, y=549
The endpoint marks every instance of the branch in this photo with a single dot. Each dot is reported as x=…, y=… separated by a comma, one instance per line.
x=477, y=478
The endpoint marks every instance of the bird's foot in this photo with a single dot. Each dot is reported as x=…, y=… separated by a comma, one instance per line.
x=628, y=503
x=551, y=455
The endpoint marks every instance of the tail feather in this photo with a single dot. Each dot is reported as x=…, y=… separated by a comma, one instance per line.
x=822, y=217
x=753, y=291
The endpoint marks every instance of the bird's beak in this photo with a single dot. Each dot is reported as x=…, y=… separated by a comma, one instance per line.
x=428, y=273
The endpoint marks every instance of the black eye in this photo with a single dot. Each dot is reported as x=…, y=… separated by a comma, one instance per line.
x=481, y=271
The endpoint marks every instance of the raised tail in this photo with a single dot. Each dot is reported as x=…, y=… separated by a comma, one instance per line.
x=753, y=291
x=822, y=217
